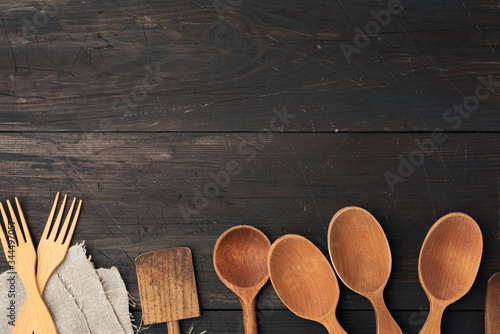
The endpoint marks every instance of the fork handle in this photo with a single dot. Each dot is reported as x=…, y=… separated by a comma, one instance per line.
x=23, y=323
x=43, y=322
x=42, y=319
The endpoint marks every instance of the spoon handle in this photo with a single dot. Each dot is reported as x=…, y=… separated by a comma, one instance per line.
x=385, y=322
x=433, y=323
x=249, y=316
x=332, y=325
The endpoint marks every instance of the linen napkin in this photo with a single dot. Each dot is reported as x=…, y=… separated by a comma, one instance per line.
x=82, y=300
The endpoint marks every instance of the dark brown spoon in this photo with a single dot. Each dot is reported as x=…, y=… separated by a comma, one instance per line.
x=240, y=261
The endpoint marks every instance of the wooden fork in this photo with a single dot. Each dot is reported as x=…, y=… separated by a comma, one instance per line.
x=51, y=251
x=24, y=264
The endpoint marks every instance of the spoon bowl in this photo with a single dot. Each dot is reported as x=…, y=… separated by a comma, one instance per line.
x=361, y=256
x=304, y=280
x=240, y=261
x=448, y=264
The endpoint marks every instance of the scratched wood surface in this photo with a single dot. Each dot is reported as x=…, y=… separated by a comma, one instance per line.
x=278, y=321
x=138, y=187
x=175, y=120
x=222, y=68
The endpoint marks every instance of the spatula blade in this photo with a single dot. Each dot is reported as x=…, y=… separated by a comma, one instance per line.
x=167, y=285
x=492, y=308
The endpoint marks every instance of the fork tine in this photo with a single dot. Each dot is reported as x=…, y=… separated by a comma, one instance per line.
x=69, y=236
x=73, y=224
x=25, y=231
x=51, y=217
x=55, y=228
x=8, y=227
x=17, y=229
x=64, y=228
x=5, y=243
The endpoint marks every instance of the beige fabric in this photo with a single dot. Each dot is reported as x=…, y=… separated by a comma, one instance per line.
x=81, y=299
x=117, y=293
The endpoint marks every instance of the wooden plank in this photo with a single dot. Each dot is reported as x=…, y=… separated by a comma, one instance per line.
x=137, y=187
x=359, y=322
x=193, y=66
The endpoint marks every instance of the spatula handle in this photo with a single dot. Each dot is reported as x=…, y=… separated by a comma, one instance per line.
x=249, y=317
x=173, y=327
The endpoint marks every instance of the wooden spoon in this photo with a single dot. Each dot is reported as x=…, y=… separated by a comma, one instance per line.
x=492, y=308
x=362, y=258
x=304, y=280
x=240, y=261
x=448, y=264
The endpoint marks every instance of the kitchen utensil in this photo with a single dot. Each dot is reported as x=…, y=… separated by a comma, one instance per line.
x=240, y=261
x=167, y=287
x=51, y=252
x=304, y=280
x=21, y=255
x=492, y=308
x=361, y=257
x=448, y=264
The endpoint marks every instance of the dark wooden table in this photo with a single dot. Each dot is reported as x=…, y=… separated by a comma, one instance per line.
x=175, y=120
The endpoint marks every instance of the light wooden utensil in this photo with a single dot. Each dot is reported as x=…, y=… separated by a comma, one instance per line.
x=304, y=280
x=492, y=308
x=240, y=261
x=24, y=264
x=448, y=264
x=362, y=258
x=51, y=252
x=167, y=287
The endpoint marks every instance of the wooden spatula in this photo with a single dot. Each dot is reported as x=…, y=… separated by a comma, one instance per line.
x=492, y=308
x=167, y=287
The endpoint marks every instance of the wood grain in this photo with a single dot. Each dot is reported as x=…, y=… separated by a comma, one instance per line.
x=50, y=253
x=179, y=66
x=448, y=264
x=133, y=187
x=492, y=307
x=240, y=261
x=284, y=321
x=167, y=287
x=23, y=261
x=136, y=106
x=362, y=259
x=304, y=281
